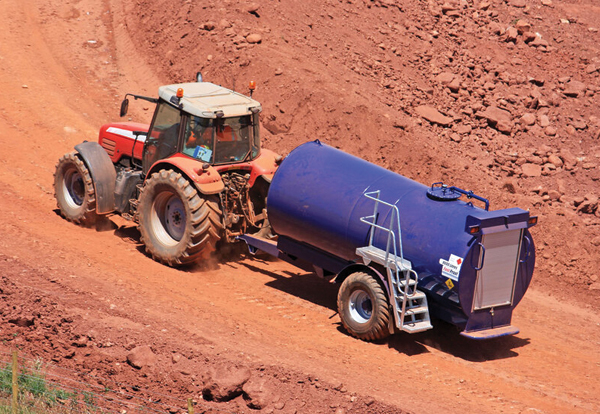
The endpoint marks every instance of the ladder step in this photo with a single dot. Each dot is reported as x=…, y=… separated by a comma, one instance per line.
x=417, y=296
x=374, y=254
x=416, y=310
x=416, y=326
x=411, y=282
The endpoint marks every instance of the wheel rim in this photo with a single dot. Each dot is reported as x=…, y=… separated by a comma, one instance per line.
x=73, y=188
x=168, y=220
x=361, y=307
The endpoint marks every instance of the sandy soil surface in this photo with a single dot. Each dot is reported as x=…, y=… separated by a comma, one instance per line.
x=500, y=97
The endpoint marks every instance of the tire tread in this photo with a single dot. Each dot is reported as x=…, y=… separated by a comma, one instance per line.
x=378, y=327
x=203, y=225
x=87, y=215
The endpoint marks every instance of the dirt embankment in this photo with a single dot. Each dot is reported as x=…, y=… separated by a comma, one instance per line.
x=499, y=97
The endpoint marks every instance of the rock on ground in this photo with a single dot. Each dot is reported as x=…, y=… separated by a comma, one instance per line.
x=141, y=356
x=433, y=115
x=225, y=383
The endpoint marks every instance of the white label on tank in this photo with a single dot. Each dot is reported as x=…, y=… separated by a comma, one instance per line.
x=451, y=267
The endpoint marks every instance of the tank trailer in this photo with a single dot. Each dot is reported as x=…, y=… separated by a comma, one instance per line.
x=196, y=178
x=402, y=251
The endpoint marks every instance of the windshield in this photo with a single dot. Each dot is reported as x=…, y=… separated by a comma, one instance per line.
x=222, y=140
x=199, y=136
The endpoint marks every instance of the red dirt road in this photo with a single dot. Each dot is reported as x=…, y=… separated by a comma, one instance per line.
x=63, y=70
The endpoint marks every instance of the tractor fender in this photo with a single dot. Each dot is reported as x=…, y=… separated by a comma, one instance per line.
x=103, y=174
x=359, y=267
x=206, y=181
x=264, y=166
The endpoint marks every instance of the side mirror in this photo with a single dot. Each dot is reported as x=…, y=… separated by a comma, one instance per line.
x=198, y=76
x=124, y=107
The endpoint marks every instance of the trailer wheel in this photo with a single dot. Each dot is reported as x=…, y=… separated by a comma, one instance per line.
x=364, y=307
x=177, y=224
x=74, y=190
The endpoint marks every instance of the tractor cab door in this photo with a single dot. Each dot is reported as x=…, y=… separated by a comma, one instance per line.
x=163, y=136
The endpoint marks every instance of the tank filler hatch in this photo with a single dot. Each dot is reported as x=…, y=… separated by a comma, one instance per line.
x=441, y=192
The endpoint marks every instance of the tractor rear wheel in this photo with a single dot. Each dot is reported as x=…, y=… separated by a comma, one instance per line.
x=364, y=307
x=177, y=224
x=74, y=190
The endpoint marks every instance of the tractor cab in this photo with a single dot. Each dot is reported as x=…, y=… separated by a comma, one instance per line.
x=205, y=122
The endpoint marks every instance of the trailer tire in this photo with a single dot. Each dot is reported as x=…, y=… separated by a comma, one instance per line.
x=364, y=307
x=177, y=224
x=74, y=190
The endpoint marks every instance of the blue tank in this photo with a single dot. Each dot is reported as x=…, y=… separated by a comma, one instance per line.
x=474, y=265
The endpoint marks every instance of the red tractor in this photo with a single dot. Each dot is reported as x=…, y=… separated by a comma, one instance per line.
x=192, y=178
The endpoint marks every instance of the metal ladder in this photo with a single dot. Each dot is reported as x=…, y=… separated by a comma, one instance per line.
x=410, y=304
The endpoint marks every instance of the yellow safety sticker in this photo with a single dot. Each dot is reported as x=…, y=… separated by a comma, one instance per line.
x=449, y=283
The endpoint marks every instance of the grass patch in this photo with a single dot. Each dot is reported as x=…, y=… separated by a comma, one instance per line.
x=38, y=396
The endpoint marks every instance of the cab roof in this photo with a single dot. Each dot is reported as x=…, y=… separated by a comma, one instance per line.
x=205, y=99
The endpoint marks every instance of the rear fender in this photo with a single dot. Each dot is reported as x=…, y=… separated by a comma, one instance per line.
x=103, y=174
x=264, y=166
x=207, y=182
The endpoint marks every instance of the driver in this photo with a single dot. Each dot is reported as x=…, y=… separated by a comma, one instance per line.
x=200, y=135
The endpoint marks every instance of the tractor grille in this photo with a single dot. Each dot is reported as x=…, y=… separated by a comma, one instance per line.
x=109, y=145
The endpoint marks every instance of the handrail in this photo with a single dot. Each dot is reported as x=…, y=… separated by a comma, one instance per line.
x=395, y=212
x=374, y=195
x=481, y=259
x=527, y=246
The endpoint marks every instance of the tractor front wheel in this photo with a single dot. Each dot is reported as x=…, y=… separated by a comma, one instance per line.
x=177, y=224
x=364, y=307
x=74, y=190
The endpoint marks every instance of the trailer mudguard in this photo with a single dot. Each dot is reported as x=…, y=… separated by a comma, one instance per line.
x=103, y=174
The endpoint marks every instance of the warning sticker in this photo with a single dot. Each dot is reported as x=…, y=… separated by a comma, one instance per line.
x=451, y=267
x=449, y=284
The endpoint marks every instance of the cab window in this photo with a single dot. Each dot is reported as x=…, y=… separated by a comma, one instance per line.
x=234, y=137
x=161, y=141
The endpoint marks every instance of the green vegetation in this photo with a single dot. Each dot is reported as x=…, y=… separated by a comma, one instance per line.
x=38, y=396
